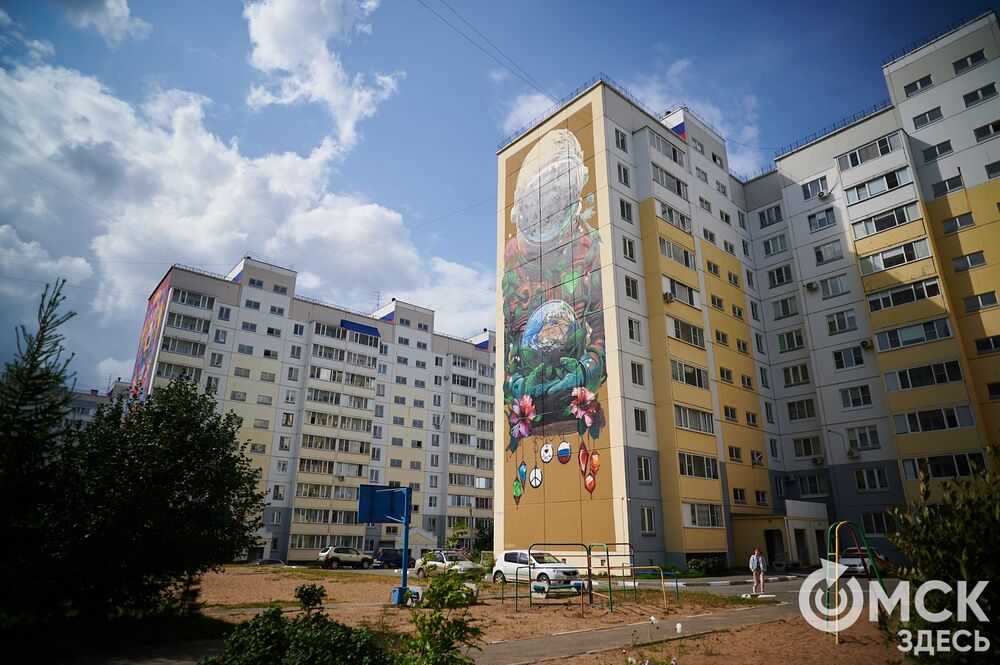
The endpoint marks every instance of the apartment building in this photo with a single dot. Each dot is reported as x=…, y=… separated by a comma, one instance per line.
x=748, y=357
x=331, y=399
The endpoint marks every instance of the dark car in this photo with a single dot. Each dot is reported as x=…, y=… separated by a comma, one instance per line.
x=267, y=562
x=387, y=557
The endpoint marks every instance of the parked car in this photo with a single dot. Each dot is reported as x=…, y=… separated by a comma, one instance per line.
x=544, y=567
x=437, y=561
x=388, y=557
x=267, y=562
x=852, y=558
x=335, y=557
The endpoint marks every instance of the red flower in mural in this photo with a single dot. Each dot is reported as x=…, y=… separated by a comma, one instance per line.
x=584, y=406
x=522, y=413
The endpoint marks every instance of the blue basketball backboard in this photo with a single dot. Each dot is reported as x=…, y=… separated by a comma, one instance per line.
x=381, y=503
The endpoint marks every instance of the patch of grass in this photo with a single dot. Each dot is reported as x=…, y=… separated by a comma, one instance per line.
x=252, y=604
x=701, y=599
x=335, y=575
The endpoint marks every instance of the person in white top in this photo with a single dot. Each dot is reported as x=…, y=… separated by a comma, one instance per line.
x=758, y=564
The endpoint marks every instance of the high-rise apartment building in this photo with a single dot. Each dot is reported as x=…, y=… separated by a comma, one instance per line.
x=332, y=399
x=697, y=362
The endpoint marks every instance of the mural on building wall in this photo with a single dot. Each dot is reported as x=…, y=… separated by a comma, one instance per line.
x=142, y=373
x=554, y=341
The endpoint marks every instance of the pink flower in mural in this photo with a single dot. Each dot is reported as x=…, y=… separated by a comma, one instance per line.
x=584, y=406
x=522, y=413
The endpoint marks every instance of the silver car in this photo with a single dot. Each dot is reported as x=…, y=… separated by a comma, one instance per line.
x=513, y=564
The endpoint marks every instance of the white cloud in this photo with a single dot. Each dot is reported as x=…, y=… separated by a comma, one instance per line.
x=291, y=47
x=735, y=115
x=525, y=108
x=116, y=368
x=498, y=75
x=11, y=34
x=29, y=262
x=112, y=19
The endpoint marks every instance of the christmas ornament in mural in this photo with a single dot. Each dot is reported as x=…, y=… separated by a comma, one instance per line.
x=554, y=348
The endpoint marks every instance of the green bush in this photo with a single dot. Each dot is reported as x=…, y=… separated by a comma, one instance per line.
x=446, y=632
x=710, y=565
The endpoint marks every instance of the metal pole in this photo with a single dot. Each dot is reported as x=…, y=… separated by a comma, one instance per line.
x=406, y=532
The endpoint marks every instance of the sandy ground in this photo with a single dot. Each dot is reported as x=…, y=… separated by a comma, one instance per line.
x=364, y=597
x=782, y=642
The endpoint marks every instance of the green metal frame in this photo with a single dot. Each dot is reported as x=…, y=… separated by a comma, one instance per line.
x=833, y=538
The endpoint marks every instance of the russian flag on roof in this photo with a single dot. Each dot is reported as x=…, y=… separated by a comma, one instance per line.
x=390, y=316
x=485, y=344
x=680, y=131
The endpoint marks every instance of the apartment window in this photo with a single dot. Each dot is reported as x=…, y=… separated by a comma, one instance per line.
x=871, y=480
x=688, y=333
x=821, y=220
x=730, y=414
x=785, y=307
x=739, y=495
x=632, y=288
x=287, y=419
x=244, y=348
x=274, y=332
x=718, y=161
x=681, y=292
x=993, y=390
x=801, y=409
x=746, y=381
x=265, y=400
x=924, y=375
x=701, y=175
x=952, y=417
x=896, y=256
x=666, y=148
x=775, y=448
x=726, y=374
x=293, y=373
x=856, y=397
x=734, y=279
x=913, y=88
x=280, y=311
x=707, y=515
x=698, y=145
x=722, y=189
x=790, y=341
x=252, y=304
x=754, y=311
x=760, y=497
x=886, y=220
x=814, y=187
x=810, y=486
x=249, y=327
x=626, y=210
x=742, y=346
x=698, y=466
x=237, y=396
x=224, y=313
x=635, y=331
x=969, y=61
x=987, y=131
x=751, y=419
x=742, y=218
x=722, y=338
x=833, y=286
x=689, y=374
x=968, y=261
x=839, y=322
x=270, y=353
x=902, y=295
x=864, y=437
x=709, y=235
x=647, y=522
x=944, y=187
x=944, y=466
x=935, y=151
x=729, y=247
x=717, y=302
x=735, y=454
x=849, y=357
x=256, y=283
x=628, y=249
x=738, y=312
x=764, y=378
x=693, y=419
x=645, y=469
x=796, y=375
x=295, y=351
x=623, y=174
x=750, y=278
x=215, y=360
x=621, y=140
x=705, y=204
x=927, y=117
x=726, y=217
x=220, y=336
x=712, y=268
x=879, y=185
x=780, y=275
x=866, y=153
x=260, y=423
x=242, y=372
x=637, y=374
x=917, y=333
x=640, y=420
x=770, y=216
x=877, y=524
x=980, y=301
x=676, y=186
x=808, y=446
x=769, y=412
x=775, y=245
x=992, y=170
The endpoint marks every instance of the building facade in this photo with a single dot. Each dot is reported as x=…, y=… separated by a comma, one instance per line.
x=748, y=358
x=332, y=399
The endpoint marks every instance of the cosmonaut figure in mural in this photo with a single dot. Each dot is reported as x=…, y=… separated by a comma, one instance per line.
x=554, y=350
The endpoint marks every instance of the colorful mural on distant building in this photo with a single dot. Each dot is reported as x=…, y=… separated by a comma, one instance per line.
x=142, y=374
x=554, y=339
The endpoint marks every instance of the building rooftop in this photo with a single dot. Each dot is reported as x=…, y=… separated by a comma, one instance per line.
x=935, y=35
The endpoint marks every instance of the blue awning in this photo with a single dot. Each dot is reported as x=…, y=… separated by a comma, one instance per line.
x=359, y=327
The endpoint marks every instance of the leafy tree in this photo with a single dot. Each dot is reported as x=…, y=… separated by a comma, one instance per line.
x=34, y=404
x=446, y=631
x=458, y=532
x=950, y=541
x=484, y=538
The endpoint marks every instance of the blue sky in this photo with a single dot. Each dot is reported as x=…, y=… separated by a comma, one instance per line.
x=335, y=136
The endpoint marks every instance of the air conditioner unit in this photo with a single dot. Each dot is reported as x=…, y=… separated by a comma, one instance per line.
x=851, y=452
x=788, y=478
x=823, y=194
x=817, y=460
x=812, y=286
x=668, y=296
x=340, y=478
x=865, y=343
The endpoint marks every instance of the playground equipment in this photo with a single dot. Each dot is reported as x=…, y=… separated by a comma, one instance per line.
x=833, y=533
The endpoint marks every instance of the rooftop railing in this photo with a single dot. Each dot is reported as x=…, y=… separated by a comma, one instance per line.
x=840, y=124
x=931, y=36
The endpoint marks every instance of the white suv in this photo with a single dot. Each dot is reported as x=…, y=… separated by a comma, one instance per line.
x=335, y=557
x=544, y=567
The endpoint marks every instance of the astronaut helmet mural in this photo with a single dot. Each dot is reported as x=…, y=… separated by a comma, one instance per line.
x=554, y=342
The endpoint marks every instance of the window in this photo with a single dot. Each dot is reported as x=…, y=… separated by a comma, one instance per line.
x=635, y=331
x=866, y=153
x=770, y=216
x=780, y=275
x=856, y=397
x=785, y=307
x=623, y=174
x=628, y=249
x=896, y=256
x=674, y=218
x=256, y=283
x=249, y=327
x=987, y=131
x=730, y=414
x=863, y=437
x=295, y=351
x=707, y=515
x=698, y=145
x=839, y=322
x=969, y=61
x=621, y=140
x=833, y=286
x=729, y=247
x=701, y=175
x=738, y=312
x=992, y=170
x=688, y=333
x=879, y=185
x=968, y=261
x=755, y=311
x=951, y=417
x=923, y=375
x=871, y=480
x=666, y=148
x=215, y=360
x=821, y=220
x=722, y=338
x=644, y=469
x=298, y=329
x=632, y=288
x=718, y=161
x=220, y=336
x=808, y=446
x=775, y=245
x=677, y=253
x=739, y=495
x=750, y=278
x=741, y=216
x=252, y=304
x=265, y=400
x=717, y=302
x=647, y=523
x=698, y=466
x=916, y=333
x=944, y=187
x=712, y=268
x=237, y=396
x=742, y=346
x=993, y=390
x=789, y=341
x=244, y=348
x=693, y=419
x=280, y=311
x=944, y=466
x=709, y=235
x=877, y=524
x=224, y=313
x=689, y=374
x=270, y=353
x=722, y=189
x=813, y=486
x=751, y=419
x=911, y=89
x=640, y=420
x=760, y=497
x=935, y=151
x=764, y=380
x=726, y=217
x=734, y=279
x=681, y=292
x=927, y=117
x=796, y=375
x=901, y=295
x=886, y=220
x=801, y=409
x=626, y=210
x=726, y=374
x=705, y=204
x=637, y=374
x=847, y=358
x=260, y=423
x=273, y=332
x=980, y=301
x=293, y=373
x=746, y=381
x=814, y=187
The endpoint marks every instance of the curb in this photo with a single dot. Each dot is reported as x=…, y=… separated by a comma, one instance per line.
x=776, y=578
